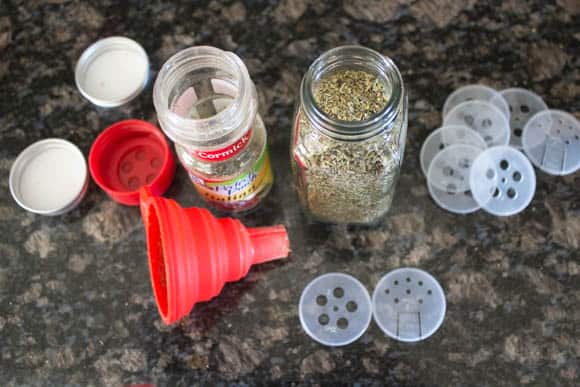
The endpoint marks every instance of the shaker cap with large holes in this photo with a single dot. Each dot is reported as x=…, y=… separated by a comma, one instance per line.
x=448, y=178
x=475, y=93
x=523, y=105
x=484, y=118
x=408, y=304
x=503, y=181
x=335, y=309
x=446, y=136
x=129, y=155
x=551, y=139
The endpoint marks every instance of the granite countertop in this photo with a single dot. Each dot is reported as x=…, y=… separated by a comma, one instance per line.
x=76, y=306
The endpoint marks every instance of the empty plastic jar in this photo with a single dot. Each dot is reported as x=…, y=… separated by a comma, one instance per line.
x=349, y=135
x=207, y=104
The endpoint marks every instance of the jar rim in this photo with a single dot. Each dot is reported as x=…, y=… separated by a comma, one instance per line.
x=203, y=129
x=359, y=57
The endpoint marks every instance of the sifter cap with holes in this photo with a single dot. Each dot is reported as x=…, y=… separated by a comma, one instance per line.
x=408, y=304
x=484, y=118
x=523, y=105
x=502, y=180
x=448, y=178
x=335, y=309
x=129, y=155
x=475, y=93
x=551, y=140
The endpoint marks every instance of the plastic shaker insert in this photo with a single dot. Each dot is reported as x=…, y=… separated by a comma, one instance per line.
x=49, y=177
x=446, y=136
x=408, y=304
x=523, y=105
x=484, y=118
x=448, y=178
x=551, y=140
x=503, y=181
x=475, y=93
x=335, y=309
x=129, y=155
x=112, y=71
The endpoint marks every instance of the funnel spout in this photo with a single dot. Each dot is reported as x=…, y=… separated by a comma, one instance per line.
x=269, y=243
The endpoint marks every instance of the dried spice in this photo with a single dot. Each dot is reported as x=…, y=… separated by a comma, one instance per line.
x=348, y=181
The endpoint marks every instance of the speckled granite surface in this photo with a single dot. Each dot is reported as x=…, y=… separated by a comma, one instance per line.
x=76, y=306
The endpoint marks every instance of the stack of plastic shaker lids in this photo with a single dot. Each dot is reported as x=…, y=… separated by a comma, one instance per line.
x=475, y=159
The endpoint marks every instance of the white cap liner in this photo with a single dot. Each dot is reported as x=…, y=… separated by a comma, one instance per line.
x=523, y=105
x=408, y=304
x=484, y=118
x=551, y=140
x=335, y=309
x=49, y=177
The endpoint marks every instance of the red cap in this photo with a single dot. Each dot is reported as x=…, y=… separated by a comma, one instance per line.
x=129, y=155
x=192, y=254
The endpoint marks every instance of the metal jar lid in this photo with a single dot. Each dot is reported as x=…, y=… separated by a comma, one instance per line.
x=112, y=71
x=49, y=177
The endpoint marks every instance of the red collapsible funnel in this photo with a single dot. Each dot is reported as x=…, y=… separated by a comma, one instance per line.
x=192, y=254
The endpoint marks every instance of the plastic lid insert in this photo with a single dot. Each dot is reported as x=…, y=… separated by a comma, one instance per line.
x=475, y=93
x=335, y=309
x=408, y=304
x=551, y=140
x=484, y=118
x=446, y=136
x=503, y=181
x=523, y=105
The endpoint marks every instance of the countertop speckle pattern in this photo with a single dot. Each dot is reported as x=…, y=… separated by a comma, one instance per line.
x=76, y=305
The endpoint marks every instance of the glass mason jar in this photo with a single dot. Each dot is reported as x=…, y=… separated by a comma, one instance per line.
x=346, y=171
x=207, y=104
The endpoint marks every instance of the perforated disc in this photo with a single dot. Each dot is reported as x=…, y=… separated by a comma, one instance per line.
x=523, y=105
x=515, y=183
x=448, y=178
x=335, y=309
x=551, y=139
x=475, y=93
x=409, y=304
x=446, y=136
x=484, y=118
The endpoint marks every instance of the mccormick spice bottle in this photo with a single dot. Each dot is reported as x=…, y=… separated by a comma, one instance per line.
x=349, y=135
x=207, y=104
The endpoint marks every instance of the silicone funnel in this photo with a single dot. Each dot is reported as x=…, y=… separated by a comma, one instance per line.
x=192, y=254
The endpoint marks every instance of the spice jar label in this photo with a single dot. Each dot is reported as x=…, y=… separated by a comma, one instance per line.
x=226, y=152
x=240, y=191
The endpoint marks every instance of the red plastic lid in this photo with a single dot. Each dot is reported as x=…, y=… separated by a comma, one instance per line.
x=129, y=155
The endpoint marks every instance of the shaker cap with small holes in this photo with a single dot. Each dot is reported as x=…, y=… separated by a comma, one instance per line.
x=523, y=104
x=408, y=304
x=551, y=140
x=484, y=118
x=475, y=93
x=129, y=155
x=502, y=180
x=448, y=178
x=335, y=309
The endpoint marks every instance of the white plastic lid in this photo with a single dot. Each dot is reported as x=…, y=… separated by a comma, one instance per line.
x=448, y=178
x=475, y=93
x=112, y=71
x=446, y=136
x=523, y=105
x=408, y=304
x=49, y=177
x=335, y=309
x=484, y=118
x=513, y=184
x=551, y=139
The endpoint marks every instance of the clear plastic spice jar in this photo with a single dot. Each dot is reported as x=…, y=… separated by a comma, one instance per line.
x=207, y=104
x=347, y=149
